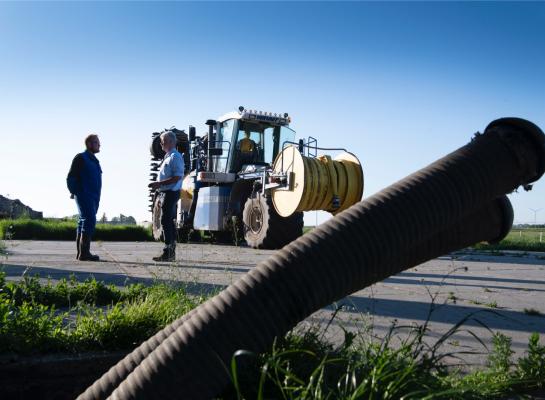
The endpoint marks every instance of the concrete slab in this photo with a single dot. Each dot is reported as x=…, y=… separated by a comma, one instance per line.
x=499, y=291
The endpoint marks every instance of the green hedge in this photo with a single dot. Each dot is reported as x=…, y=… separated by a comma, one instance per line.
x=32, y=229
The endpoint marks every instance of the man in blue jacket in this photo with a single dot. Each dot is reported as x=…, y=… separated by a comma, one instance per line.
x=84, y=183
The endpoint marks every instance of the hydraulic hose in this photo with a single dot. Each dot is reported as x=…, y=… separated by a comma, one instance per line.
x=362, y=245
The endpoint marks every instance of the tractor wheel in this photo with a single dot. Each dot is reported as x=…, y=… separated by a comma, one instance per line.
x=155, y=148
x=265, y=229
x=156, y=228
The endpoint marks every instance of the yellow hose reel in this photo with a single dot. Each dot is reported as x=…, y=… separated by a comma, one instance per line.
x=320, y=183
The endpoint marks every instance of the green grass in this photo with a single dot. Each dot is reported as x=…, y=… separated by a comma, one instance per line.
x=48, y=229
x=532, y=312
x=492, y=304
x=518, y=239
x=76, y=317
x=302, y=366
x=67, y=292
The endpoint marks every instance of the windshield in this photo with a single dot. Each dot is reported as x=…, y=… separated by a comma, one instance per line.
x=259, y=143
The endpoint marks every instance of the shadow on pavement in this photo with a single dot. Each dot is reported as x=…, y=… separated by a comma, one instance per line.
x=193, y=288
x=443, y=313
x=468, y=277
x=447, y=283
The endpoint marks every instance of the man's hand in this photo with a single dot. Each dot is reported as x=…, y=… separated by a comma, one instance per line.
x=154, y=185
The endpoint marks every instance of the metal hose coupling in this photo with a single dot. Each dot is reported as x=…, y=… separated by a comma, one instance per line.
x=448, y=205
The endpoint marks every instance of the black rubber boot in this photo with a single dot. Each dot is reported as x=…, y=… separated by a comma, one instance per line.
x=84, y=250
x=78, y=241
x=169, y=254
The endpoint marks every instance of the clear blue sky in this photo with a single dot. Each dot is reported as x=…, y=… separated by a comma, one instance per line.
x=399, y=84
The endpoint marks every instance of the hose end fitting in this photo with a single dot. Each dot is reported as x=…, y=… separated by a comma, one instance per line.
x=533, y=133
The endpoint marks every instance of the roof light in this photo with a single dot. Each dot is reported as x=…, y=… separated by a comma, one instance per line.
x=240, y=108
x=265, y=116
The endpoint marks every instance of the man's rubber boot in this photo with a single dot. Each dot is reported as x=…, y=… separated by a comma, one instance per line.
x=78, y=244
x=169, y=254
x=84, y=251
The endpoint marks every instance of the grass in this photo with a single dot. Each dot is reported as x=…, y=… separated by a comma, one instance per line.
x=67, y=292
x=302, y=366
x=492, y=304
x=71, y=316
x=49, y=229
x=532, y=312
x=75, y=317
x=518, y=239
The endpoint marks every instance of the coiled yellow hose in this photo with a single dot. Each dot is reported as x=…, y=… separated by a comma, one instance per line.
x=320, y=183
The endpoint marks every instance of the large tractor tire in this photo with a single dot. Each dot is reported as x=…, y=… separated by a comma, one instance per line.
x=182, y=145
x=183, y=234
x=265, y=229
x=156, y=228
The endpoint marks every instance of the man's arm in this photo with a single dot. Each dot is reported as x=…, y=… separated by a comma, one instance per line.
x=168, y=181
x=72, y=180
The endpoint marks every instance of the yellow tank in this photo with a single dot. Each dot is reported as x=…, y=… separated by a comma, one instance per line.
x=320, y=183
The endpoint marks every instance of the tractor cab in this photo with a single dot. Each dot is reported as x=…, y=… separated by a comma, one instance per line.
x=248, y=137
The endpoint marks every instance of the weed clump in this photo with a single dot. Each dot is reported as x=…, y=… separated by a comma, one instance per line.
x=303, y=366
x=73, y=316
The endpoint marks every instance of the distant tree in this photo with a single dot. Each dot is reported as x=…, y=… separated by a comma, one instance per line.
x=123, y=220
x=104, y=219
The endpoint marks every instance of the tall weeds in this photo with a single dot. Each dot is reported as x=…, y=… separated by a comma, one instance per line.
x=302, y=366
x=74, y=317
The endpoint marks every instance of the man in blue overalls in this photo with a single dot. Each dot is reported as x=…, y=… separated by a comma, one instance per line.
x=169, y=184
x=84, y=182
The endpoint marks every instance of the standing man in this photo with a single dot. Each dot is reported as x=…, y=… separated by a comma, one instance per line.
x=169, y=184
x=84, y=182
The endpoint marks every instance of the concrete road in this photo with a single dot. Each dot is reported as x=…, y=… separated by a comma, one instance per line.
x=505, y=293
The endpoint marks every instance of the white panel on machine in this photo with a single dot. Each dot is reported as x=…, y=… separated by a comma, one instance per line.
x=211, y=205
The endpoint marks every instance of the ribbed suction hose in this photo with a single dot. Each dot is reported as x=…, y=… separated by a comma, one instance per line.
x=490, y=223
x=364, y=244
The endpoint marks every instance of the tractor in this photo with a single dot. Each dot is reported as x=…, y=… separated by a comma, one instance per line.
x=247, y=178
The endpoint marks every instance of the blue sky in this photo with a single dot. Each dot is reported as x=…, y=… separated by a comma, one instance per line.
x=399, y=84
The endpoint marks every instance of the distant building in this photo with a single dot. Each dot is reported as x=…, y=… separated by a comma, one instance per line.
x=15, y=209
